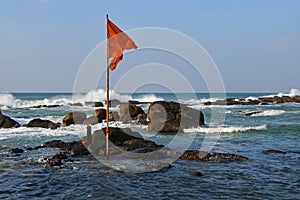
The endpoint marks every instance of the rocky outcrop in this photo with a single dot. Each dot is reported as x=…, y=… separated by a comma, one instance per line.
x=100, y=114
x=273, y=151
x=211, y=156
x=74, y=118
x=261, y=100
x=74, y=148
x=130, y=112
x=172, y=117
x=123, y=138
x=7, y=122
x=42, y=123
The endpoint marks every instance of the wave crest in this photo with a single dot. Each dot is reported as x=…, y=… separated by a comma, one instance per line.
x=229, y=129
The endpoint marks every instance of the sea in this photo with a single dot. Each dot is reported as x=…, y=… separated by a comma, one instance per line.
x=263, y=176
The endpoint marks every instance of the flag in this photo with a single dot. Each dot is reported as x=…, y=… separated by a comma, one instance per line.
x=118, y=42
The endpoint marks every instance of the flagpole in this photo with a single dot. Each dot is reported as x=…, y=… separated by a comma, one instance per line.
x=107, y=88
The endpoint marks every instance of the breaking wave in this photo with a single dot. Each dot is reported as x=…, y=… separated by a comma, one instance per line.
x=229, y=129
x=8, y=100
x=268, y=113
x=293, y=92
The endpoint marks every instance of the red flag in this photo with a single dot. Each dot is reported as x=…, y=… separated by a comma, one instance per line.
x=118, y=42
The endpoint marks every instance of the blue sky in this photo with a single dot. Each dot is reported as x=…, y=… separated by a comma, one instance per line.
x=255, y=44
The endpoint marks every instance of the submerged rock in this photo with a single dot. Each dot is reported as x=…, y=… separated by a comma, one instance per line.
x=7, y=122
x=272, y=151
x=253, y=113
x=16, y=150
x=196, y=174
x=54, y=162
x=210, y=156
x=74, y=148
x=74, y=118
x=42, y=123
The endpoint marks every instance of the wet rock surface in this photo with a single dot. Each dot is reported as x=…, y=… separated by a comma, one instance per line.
x=74, y=118
x=211, y=156
x=42, y=123
x=172, y=117
x=7, y=122
x=130, y=112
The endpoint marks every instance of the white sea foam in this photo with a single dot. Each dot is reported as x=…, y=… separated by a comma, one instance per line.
x=8, y=100
x=148, y=98
x=226, y=129
x=100, y=95
x=266, y=113
x=293, y=92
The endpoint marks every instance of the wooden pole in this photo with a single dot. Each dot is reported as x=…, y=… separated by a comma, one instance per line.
x=107, y=88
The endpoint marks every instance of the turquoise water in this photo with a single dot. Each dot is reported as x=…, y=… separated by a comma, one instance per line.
x=272, y=176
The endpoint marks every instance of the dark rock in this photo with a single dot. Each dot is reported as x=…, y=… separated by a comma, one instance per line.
x=142, y=119
x=16, y=150
x=54, y=162
x=271, y=151
x=253, y=113
x=196, y=174
x=113, y=116
x=74, y=118
x=53, y=144
x=296, y=99
x=74, y=148
x=100, y=114
x=7, y=122
x=261, y=101
x=61, y=156
x=78, y=150
x=137, y=102
x=211, y=156
x=287, y=99
x=172, y=117
x=114, y=103
x=253, y=102
x=91, y=120
x=94, y=104
x=130, y=112
x=45, y=106
x=76, y=104
x=42, y=123
x=123, y=138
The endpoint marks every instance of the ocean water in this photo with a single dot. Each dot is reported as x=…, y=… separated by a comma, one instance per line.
x=263, y=176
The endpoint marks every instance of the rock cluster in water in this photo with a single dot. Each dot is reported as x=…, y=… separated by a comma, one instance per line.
x=162, y=117
x=121, y=140
x=259, y=101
